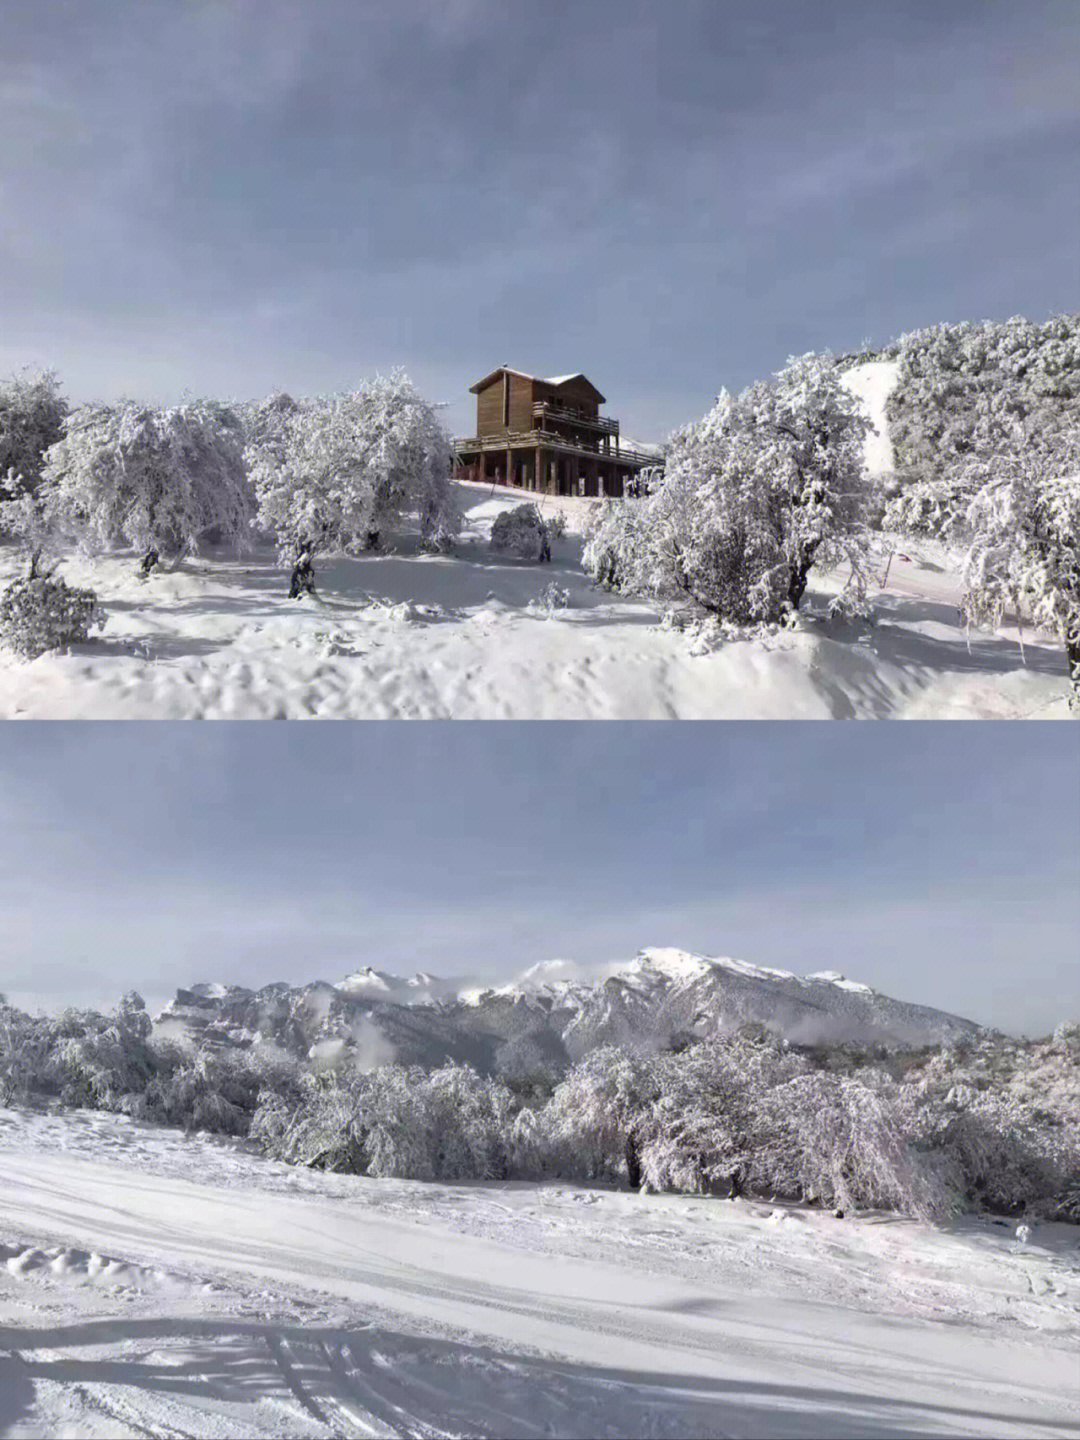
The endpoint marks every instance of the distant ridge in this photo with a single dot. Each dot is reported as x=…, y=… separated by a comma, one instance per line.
x=555, y=1012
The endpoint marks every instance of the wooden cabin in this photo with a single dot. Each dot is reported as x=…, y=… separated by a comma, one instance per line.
x=546, y=435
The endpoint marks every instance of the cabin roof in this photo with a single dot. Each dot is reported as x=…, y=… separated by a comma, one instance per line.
x=556, y=380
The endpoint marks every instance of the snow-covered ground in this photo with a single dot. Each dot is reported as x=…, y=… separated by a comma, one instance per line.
x=163, y=1285
x=403, y=635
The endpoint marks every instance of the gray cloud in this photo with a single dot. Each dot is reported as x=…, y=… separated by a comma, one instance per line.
x=226, y=196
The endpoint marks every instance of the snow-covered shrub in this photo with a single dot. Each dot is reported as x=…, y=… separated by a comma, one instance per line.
x=22, y=515
x=26, y=1056
x=768, y=484
x=394, y=1122
x=398, y=1125
x=32, y=413
x=1014, y=507
x=323, y=1130
x=202, y=1094
x=88, y=1059
x=522, y=531
x=551, y=599
x=159, y=480
x=338, y=472
x=41, y=612
x=213, y=1089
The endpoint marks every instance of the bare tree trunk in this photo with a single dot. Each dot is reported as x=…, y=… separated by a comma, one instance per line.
x=303, y=575
x=633, y=1161
x=1072, y=655
x=799, y=577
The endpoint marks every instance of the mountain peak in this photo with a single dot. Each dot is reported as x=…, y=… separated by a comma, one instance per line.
x=565, y=1008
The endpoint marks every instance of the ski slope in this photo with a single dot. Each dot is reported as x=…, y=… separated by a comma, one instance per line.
x=163, y=1285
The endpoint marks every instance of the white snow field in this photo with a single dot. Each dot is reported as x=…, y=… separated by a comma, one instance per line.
x=404, y=635
x=153, y=1284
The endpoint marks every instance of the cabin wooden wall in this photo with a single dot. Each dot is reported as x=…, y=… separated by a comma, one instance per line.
x=489, y=409
x=580, y=395
x=521, y=403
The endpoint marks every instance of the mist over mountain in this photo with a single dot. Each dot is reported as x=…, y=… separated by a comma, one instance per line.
x=552, y=1014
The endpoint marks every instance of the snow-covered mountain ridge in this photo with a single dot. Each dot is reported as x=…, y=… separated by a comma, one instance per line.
x=553, y=1013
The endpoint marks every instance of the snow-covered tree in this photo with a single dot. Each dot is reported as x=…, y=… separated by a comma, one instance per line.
x=768, y=484
x=32, y=412
x=619, y=547
x=472, y=1119
x=22, y=515
x=848, y=1141
x=527, y=1146
x=336, y=473
x=1024, y=550
x=1014, y=510
x=452, y=1124
x=596, y=1117
x=979, y=389
x=160, y=480
x=706, y=1127
x=1004, y=1116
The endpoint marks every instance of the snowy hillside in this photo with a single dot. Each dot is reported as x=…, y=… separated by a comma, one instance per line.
x=404, y=635
x=555, y=1013
x=873, y=383
x=153, y=1283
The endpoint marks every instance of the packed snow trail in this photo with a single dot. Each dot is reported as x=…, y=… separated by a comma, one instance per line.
x=135, y=1301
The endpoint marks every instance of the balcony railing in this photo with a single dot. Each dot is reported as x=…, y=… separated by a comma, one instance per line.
x=549, y=440
x=548, y=410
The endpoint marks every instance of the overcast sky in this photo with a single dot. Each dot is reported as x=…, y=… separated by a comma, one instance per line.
x=669, y=195
x=939, y=864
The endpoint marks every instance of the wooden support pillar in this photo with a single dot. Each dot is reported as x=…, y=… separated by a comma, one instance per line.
x=538, y=473
x=509, y=466
x=594, y=477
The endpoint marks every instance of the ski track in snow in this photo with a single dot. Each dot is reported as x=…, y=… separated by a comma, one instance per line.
x=410, y=636
x=162, y=1285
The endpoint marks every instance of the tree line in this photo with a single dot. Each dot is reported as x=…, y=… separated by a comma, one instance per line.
x=990, y=1123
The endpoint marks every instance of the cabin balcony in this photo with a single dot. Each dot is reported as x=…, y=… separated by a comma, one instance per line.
x=550, y=440
x=550, y=410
